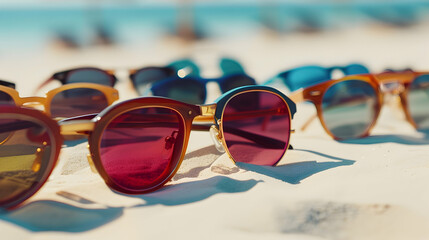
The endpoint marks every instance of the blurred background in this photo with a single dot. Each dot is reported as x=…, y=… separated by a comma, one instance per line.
x=38, y=37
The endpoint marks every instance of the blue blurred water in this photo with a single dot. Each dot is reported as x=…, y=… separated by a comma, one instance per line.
x=26, y=27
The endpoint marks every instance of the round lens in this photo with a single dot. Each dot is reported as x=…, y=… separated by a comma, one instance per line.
x=349, y=108
x=256, y=127
x=25, y=157
x=187, y=90
x=140, y=149
x=89, y=76
x=146, y=76
x=77, y=101
x=418, y=98
x=236, y=81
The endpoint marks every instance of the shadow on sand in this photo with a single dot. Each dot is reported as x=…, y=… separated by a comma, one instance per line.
x=392, y=138
x=46, y=215
x=294, y=173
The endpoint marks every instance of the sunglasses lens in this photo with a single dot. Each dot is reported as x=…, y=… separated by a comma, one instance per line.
x=78, y=101
x=235, y=82
x=6, y=99
x=256, y=127
x=349, y=108
x=89, y=76
x=25, y=157
x=186, y=90
x=418, y=98
x=140, y=149
x=144, y=77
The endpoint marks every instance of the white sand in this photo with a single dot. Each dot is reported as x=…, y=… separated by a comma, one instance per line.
x=373, y=188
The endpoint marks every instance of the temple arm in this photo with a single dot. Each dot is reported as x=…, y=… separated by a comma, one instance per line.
x=46, y=82
x=298, y=96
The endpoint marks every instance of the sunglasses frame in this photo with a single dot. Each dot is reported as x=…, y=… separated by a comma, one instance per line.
x=210, y=113
x=111, y=95
x=316, y=93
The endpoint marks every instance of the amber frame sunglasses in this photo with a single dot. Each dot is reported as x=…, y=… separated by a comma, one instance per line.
x=110, y=95
x=394, y=83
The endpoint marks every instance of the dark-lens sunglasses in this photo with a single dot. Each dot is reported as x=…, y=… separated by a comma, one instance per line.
x=192, y=89
x=306, y=76
x=145, y=75
x=66, y=101
x=349, y=107
x=144, y=78
x=138, y=145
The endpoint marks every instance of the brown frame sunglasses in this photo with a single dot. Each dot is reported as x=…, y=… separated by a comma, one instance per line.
x=398, y=83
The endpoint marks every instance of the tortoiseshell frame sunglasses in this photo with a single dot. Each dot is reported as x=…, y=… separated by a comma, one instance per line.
x=138, y=145
x=66, y=101
x=349, y=107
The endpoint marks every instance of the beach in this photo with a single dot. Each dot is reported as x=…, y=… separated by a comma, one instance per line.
x=369, y=188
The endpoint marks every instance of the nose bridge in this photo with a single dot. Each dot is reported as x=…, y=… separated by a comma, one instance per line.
x=394, y=88
x=393, y=83
x=207, y=113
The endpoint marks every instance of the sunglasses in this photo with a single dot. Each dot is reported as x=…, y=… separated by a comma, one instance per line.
x=180, y=80
x=349, y=107
x=138, y=145
x=306, y=76
x=66, y=101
